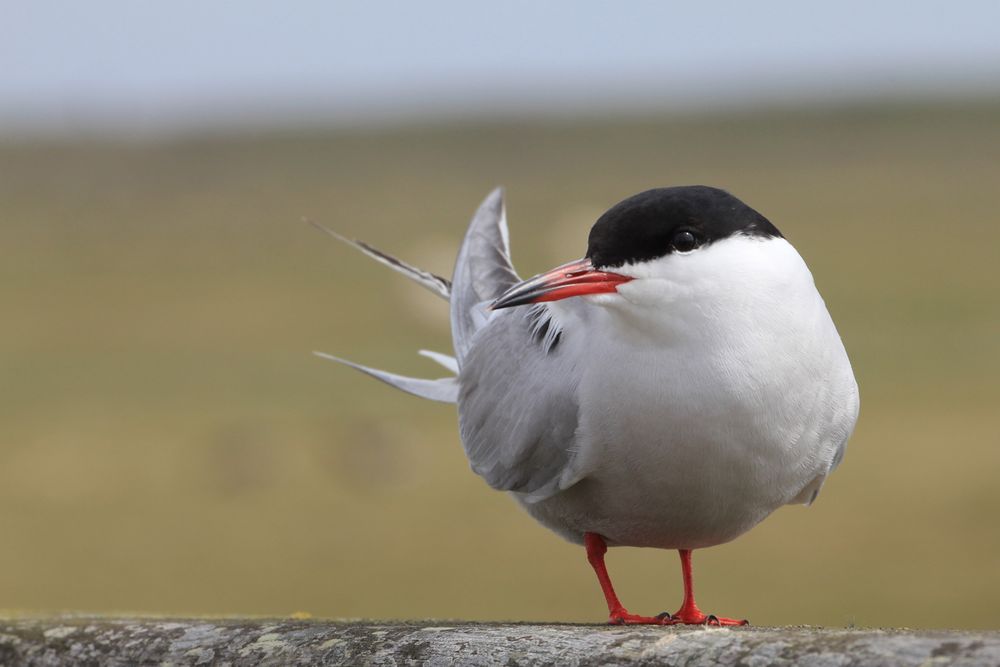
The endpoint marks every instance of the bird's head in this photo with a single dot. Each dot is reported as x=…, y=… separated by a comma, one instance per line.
x=650, y=241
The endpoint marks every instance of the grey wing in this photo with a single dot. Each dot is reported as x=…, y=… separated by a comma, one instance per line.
x=517, y=391
x=483, y=271
x=517, y=406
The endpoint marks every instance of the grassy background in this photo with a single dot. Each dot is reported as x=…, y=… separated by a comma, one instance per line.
x=168, y=444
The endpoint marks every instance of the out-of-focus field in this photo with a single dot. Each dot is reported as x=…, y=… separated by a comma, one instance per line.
x=168, y=444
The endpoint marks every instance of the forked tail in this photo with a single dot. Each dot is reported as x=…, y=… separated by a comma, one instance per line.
x=482, y=271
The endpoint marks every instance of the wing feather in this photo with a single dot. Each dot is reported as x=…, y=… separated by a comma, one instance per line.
x=517, y=408
x=483, y=270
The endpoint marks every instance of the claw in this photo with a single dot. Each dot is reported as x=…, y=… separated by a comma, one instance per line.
x=622, y=617
x=715, y=621
x=695, y=617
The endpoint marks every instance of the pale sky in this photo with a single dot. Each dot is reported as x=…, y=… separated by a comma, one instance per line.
x=141, y=64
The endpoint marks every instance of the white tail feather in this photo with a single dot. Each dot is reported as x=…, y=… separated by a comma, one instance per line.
x=449, y=362
x=444, y=389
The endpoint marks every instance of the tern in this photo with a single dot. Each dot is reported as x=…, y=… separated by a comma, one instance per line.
x=670, y=389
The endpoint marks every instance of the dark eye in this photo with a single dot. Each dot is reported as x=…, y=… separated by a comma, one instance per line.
x=684, y=241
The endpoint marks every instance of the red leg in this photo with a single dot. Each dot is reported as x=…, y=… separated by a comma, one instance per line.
x=689, y=614
x=617, y=614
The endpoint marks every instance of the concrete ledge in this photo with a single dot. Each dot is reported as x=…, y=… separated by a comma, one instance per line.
x=99, y=641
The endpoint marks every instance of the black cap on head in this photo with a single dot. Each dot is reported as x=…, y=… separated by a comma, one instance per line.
x=658, y=222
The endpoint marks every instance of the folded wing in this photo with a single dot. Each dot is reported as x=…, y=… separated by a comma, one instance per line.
x=517, y=388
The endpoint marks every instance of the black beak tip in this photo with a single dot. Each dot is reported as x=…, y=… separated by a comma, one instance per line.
x=498, y=304
x=514, y=297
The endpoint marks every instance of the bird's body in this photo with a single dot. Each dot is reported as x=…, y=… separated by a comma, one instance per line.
x=729, y=415
x=693, y=384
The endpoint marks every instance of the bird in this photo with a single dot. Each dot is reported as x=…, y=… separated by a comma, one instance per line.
x=670, y=389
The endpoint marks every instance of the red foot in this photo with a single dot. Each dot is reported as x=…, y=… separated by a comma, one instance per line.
x=698, y=618
x=622, y=617
x=688, y=614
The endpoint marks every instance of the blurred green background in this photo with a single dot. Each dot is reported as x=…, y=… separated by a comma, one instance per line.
x=168, y=443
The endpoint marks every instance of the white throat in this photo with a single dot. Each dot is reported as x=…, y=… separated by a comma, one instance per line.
x=731, y=287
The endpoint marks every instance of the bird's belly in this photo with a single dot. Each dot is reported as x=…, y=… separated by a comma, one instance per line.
x=697, y=459
x=663, y=505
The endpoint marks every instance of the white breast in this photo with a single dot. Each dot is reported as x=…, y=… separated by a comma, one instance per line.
x=716, y=389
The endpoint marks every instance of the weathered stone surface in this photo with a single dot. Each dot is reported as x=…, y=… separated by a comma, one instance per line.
x=95, y=641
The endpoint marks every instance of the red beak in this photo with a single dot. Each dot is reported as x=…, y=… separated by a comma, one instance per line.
x=573, y=279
